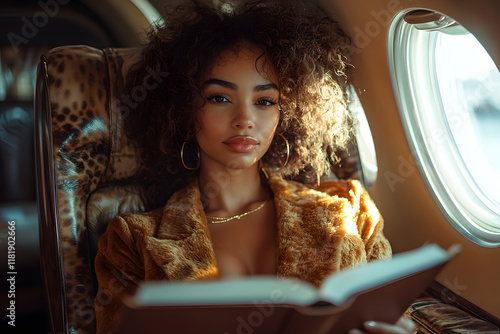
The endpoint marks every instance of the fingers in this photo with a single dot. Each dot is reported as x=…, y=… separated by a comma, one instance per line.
x=407, y=324
x=383, y=328
x=403, y=326
x=355, y=331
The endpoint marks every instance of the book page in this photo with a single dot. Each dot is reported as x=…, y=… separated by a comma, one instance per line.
x=248, y=290
x=336, y=289
x=340, y=286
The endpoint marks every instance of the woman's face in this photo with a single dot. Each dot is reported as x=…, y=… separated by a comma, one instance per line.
x=241, y=112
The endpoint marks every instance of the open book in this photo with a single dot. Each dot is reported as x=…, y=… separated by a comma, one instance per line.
x=379, y=290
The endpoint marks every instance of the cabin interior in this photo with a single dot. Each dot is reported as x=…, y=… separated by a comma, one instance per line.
x=426, y=92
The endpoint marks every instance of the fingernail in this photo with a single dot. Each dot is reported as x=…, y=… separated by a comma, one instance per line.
x=371, y=324
x=409, y=323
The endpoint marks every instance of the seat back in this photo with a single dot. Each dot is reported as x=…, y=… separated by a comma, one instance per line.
x=89, y=170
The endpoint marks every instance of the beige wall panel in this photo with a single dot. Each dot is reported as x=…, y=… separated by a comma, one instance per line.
x=411, y=214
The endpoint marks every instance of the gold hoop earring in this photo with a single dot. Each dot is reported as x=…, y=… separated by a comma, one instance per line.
x=287, y=145
x=182, y=158
x=287, y=151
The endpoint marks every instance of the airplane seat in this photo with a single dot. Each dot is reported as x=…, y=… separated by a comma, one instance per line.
x=442, y=314
x=89, y=170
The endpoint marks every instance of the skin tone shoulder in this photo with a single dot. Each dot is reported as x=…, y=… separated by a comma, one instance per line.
x=238, y=120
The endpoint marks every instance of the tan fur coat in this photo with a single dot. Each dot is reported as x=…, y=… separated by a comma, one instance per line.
x=320, y=230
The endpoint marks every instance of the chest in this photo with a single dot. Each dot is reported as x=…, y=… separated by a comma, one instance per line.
x=246, y=246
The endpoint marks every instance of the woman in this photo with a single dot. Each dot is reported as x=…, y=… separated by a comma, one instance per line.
x=251, y=99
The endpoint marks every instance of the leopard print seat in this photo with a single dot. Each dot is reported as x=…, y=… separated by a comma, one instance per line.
x=89, y=170
x=95, y=167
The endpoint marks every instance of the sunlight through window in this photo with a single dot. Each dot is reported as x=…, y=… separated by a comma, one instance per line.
x=448, y=93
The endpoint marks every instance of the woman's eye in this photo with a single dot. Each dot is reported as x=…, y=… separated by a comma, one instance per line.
x=266, y=102
x=218, y=99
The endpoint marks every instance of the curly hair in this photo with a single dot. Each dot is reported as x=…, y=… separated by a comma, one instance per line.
x=304, y=46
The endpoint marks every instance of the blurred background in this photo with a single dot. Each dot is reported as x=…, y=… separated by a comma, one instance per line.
x=28, y=30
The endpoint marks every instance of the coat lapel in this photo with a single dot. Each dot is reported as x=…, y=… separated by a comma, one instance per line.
x=181, y=246
x=311, y=230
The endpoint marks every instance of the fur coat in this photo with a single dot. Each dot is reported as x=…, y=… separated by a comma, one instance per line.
x=321, y=230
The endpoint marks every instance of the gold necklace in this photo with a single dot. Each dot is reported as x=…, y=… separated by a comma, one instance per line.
x=218, y=220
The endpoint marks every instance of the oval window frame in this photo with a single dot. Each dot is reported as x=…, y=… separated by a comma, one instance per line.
x=471, y=214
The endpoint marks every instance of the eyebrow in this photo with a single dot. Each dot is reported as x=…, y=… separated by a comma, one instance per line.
x=233, y=86
x=261, y=88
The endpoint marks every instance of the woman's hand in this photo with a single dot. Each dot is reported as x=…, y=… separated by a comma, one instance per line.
x=403, y=326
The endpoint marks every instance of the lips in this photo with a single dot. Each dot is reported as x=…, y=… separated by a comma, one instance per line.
x=241, y=144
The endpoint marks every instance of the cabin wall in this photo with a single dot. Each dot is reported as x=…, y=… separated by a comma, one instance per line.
x=412, y=217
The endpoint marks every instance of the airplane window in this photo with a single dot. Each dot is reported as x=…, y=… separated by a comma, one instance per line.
x=448, y=93
x=364, y=139
x=149, y=11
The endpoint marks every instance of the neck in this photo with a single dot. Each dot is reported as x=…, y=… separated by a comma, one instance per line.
x=229, y=191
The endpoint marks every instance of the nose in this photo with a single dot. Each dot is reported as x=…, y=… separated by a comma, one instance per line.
x=243, y=117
